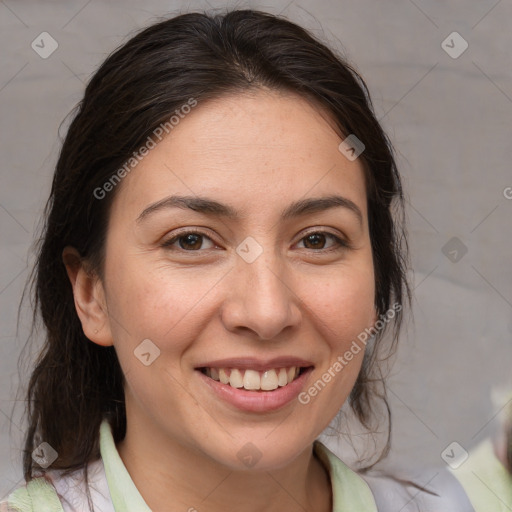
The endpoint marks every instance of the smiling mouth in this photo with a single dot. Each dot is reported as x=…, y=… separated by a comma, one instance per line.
x=252, y=380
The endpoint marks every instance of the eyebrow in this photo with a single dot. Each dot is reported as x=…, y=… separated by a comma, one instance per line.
x=209, y=206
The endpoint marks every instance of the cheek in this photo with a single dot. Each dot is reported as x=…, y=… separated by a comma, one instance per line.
x=343, y=309
x=158, y=303
x=344, y=305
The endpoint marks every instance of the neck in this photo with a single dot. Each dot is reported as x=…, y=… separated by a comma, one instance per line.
x=166, y=471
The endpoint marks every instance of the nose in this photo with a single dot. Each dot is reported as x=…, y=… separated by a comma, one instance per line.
x=260, y=298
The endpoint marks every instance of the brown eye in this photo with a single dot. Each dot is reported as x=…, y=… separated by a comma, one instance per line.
x=317, y=240
x=190, y=241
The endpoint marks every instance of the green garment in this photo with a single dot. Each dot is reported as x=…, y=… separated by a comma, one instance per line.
x=350, y=492
x=485, y=480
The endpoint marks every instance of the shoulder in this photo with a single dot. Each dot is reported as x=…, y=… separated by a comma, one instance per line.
x=428, y=490
x=407, y=490
x=74, y=490
x=63, y=492
x=38, y=492
x=485, y=479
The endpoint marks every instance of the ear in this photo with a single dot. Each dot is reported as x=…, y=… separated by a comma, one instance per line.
x=89, y=297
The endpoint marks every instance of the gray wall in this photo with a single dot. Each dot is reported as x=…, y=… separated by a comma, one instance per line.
x=449, y=119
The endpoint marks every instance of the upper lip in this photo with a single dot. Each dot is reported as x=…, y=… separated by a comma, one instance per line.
x=252, y=363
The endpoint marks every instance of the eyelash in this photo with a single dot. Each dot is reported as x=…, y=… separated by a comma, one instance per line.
x=341, y=244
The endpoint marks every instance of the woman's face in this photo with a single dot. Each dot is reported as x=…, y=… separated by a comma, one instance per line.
x=251, y=299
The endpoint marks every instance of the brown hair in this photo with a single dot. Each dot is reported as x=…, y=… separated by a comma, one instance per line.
x=76, y=383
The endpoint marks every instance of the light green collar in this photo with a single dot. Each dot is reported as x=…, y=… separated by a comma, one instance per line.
x=125, y=496
x=350, y=492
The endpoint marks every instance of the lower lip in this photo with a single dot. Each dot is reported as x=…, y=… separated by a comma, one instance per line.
x=258, y=401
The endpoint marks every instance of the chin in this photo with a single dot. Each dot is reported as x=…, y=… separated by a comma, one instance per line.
x=260, y=454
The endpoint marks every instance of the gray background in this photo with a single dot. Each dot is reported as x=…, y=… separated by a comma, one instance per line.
x=449, y=119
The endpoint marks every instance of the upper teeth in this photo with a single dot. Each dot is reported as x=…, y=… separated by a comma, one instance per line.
x=253, y=380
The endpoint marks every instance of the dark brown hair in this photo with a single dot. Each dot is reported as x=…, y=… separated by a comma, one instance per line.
x=75, y=382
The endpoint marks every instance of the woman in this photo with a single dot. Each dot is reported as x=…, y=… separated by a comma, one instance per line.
x=223, y=254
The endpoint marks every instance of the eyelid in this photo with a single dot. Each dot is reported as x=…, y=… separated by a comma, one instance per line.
x=325, y=230
x=341, y=241
x=187, y=231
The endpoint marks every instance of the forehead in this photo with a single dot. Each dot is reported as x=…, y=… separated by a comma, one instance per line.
x=254, y=151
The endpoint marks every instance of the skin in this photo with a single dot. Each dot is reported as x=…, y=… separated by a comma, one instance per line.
x=258, y=153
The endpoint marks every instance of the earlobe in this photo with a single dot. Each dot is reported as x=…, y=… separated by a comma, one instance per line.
x=89, y=298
